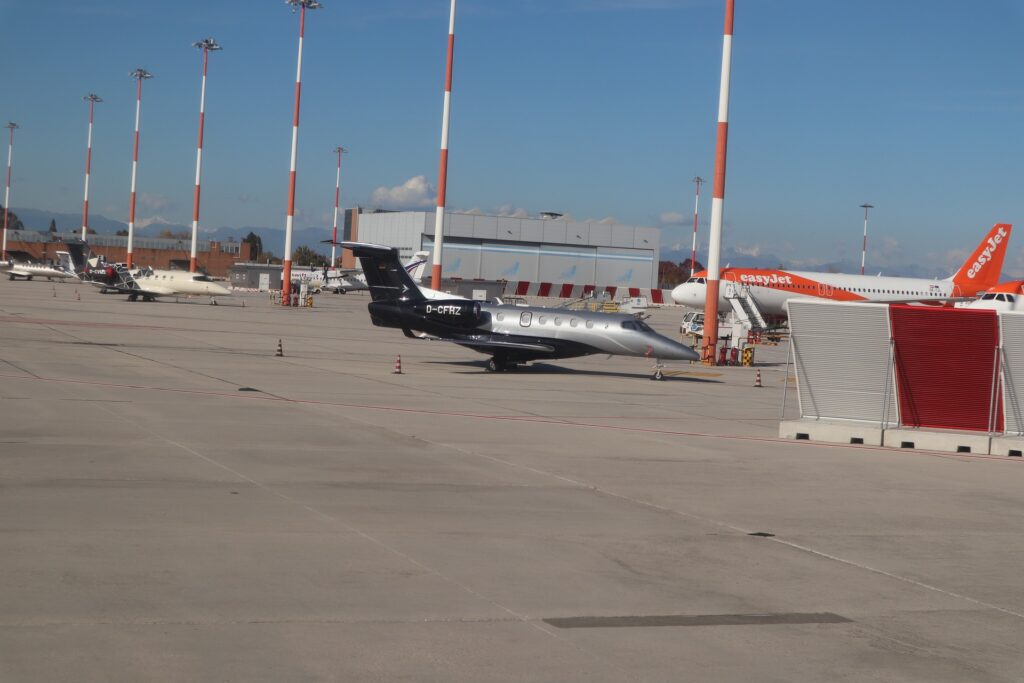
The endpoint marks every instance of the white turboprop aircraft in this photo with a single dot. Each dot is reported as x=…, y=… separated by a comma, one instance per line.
x=64, y=269
x=768, y=290
x=149, y=283
x=343, y=280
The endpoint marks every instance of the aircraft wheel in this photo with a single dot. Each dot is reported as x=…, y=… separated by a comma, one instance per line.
x=28, y=277
x=10, y=277
x=146, y=297
x=495, y=365
x=658, y=375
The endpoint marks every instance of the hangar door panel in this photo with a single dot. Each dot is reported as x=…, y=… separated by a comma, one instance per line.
x=508, y=262
x=572, y=265
x=1012, y=328
x=843, y=362
x=945, y=366
x=458, y=259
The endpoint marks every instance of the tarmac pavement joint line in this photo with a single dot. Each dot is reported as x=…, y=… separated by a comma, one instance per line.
x=722, y=524
x=266, y=396
x=537, y=624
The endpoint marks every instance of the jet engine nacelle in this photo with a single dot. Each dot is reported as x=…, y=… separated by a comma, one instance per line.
x=453, y=312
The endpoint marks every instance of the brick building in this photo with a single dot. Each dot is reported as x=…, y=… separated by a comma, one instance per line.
x=214, y=258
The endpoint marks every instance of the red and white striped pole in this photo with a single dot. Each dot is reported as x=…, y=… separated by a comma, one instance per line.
x=92, y=99
x=864, y=249
x=207, y=45
x=337, y=196
x=442, y=174
x=286, y=276
x=7, y=193
x=696, y=210
x=139, y=75
x=718, y=193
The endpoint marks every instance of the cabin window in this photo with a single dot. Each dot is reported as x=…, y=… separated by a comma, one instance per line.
x=590, y=324
x=525, y=319
x=558, y=320
x=573, y=322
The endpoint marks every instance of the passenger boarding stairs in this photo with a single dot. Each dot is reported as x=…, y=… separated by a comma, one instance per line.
x=744, y=306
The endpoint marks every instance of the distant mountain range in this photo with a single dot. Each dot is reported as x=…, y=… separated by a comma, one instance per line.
x=273, y=241
x=273, y=238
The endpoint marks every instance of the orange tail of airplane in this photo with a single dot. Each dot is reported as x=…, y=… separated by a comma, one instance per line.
x=982, y=268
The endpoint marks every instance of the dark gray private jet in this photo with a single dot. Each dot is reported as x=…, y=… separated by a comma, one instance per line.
x=510, y=335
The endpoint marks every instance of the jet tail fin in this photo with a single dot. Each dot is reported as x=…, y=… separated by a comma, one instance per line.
x=387, y=279
x=982, y=268
x=417, y=266
x=77, y=254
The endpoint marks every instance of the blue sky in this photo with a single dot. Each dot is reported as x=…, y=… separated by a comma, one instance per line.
x=596, y=108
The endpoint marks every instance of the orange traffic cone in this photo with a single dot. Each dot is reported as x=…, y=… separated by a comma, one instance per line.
x=78, y=297
x=280, y=350
x=757, y=380
x=398, y=366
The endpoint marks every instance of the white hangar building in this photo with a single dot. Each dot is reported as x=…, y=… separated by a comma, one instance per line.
x=549, y=249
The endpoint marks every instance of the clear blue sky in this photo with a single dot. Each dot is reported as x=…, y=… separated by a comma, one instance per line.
x=595, y=108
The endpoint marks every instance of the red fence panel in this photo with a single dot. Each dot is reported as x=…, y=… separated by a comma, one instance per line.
x=945, y=363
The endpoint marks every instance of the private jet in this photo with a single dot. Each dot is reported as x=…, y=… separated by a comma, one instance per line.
x=510, y=335
x=149, y=283
x=64, y=269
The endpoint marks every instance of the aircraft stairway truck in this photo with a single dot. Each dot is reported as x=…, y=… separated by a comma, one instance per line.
x=746, y=315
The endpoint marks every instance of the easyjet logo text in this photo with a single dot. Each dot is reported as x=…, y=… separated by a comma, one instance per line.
x=773, y=279
x=986, y=254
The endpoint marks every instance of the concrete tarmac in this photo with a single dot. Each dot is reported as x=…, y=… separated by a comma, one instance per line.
x=178, y=503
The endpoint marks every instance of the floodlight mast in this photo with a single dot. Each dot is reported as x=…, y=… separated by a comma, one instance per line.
x=11, y=126
x=92, y=99
x=339, y=150
x=286, y=275
x=696, y=209
x=718, y=193
x=207, y=45
x=864, y=249
x=139, y=75
x=442, y=175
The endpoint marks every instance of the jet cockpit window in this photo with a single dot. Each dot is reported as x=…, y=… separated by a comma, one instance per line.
x=629, y=325
x=988, y=297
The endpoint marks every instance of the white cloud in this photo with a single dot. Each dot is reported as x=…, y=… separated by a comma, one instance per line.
x=511, y=211
x=671, y=218
x=414, y=193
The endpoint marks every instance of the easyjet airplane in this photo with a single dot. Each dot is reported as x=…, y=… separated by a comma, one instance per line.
x=770, y=289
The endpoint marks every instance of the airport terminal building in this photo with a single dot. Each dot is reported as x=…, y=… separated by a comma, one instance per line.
x=548, y=249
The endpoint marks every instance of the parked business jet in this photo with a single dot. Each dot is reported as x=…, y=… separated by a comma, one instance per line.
x=769, y=290
x=149, y=283
x=510, y=335
x=64, y=269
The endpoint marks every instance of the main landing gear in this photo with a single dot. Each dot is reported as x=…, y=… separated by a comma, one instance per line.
x=495, y=364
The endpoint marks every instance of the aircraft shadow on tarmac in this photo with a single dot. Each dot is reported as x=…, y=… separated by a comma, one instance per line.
x=547, y=369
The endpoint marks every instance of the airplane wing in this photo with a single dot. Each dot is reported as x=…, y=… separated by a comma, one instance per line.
x=498, y=345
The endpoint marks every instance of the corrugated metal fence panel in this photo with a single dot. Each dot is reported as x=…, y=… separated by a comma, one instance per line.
x=842, y=358
x=1012, y=327
x=945, y=362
